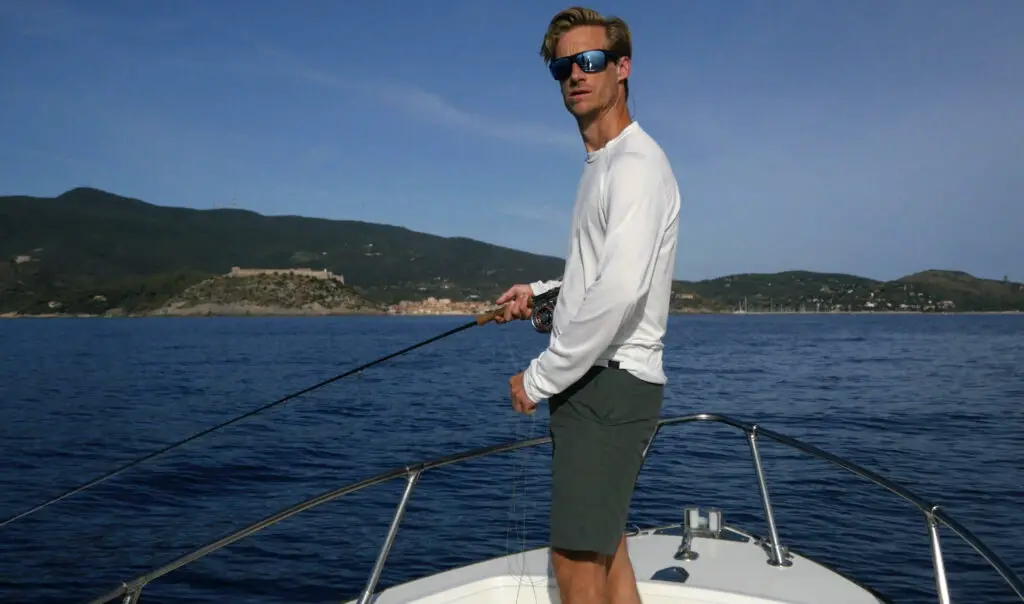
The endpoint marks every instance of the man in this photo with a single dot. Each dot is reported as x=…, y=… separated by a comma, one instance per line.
x=602, y=370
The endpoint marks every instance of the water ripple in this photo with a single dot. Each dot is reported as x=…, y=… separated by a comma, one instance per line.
x=931, y=402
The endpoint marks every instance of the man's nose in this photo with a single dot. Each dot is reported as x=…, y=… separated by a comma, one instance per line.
x=577, y=74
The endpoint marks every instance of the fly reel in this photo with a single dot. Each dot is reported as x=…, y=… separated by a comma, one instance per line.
x=543, y=312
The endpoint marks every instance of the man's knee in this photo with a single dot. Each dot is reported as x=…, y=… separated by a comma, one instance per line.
x=582, y=576
x=576, y=568
x=574, y=556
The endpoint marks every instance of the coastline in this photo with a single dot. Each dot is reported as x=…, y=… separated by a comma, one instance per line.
x=874, y=312
x=267, y=313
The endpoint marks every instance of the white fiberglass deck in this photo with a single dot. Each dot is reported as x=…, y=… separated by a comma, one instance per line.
x=725, y=572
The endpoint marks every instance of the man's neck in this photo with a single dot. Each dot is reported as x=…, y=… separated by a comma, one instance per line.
x=604, y=126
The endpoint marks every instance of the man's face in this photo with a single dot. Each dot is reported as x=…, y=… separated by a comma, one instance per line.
x=587, y=93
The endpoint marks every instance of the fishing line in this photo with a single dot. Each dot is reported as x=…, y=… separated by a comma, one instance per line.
x=519, y=468
x=541, y=318
x=481, y=319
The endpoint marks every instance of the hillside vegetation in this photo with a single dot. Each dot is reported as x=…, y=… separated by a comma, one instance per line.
x=86, y=236
x=93, y=252
x=795, y=291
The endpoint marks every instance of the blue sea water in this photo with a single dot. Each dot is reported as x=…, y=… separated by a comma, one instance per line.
x=932, y=402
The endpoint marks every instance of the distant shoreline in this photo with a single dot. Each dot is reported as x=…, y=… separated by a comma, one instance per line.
x=871, y=312
x=314, y=315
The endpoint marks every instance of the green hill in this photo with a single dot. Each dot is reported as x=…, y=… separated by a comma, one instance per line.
x=787, y=290
x=804, y=291
x=89, y=251
x=86, y=236
x=274, y=294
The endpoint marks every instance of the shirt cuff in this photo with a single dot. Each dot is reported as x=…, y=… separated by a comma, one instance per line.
x=541, y=287
x=534, y=391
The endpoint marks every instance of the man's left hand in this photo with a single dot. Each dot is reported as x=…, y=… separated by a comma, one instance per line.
x=520, y=402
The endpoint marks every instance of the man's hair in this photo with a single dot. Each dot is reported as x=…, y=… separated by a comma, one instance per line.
x=619, y=41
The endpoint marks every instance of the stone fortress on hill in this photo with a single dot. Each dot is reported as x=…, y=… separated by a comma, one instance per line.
x=237, y=271
x=429, y=306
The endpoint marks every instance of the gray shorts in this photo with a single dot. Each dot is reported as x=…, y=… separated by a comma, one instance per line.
x=599, y=428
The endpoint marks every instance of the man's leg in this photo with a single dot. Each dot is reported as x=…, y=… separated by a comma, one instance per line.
x=599, y=428
x=621, y=582
x=585, y=577
x=581, y=576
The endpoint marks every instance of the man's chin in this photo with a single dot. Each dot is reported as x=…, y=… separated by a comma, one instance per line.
x=579, y=108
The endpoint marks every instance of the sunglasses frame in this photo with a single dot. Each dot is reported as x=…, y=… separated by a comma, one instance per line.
x=583, y=61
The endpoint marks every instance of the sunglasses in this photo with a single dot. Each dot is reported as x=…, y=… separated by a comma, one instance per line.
x=590, y=61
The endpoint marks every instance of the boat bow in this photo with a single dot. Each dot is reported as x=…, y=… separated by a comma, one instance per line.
x=701, y=559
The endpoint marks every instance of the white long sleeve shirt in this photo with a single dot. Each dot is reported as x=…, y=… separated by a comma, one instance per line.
x=617, y=283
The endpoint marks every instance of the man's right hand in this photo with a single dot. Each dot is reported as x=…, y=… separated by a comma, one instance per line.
x=517, y=298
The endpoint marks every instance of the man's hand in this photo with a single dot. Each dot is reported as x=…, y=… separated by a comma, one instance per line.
x=520, y=402
x=517, y=297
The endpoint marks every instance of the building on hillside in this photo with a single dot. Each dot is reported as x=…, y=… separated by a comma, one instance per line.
x=237, y=271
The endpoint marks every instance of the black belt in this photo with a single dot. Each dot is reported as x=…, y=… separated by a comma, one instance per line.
x=610, y=364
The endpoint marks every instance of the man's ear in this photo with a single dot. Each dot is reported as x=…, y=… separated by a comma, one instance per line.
x=623, y=68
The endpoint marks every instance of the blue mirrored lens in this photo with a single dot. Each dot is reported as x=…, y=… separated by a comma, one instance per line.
x=590, y=61
x=561, y=68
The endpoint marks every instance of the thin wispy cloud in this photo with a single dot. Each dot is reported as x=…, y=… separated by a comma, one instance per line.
x=428, y=105
x=828, y=137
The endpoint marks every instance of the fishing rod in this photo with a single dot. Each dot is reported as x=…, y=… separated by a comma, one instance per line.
x=540, y=319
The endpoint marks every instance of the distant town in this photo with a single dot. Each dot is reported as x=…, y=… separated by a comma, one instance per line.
x=905, y=300
x=440, y=306
x=319, y=291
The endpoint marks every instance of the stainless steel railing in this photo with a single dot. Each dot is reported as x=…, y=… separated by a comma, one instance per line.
x=934, y=516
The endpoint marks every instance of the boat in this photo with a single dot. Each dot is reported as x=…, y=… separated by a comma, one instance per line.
x=701, y=559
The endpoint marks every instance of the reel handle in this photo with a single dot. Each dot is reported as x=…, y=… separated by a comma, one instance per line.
x=542, y=305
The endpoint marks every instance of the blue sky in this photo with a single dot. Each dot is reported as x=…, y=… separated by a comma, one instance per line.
x=872, y=137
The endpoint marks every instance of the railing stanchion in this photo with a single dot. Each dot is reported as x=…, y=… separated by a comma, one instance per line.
x=941, y=585
x=378, y=566
x=129, y=593
x=776, y=556
x=131, y=596
x=650, y=443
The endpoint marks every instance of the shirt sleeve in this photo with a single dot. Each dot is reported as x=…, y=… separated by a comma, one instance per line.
x=638, y=207
x=540, y=287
